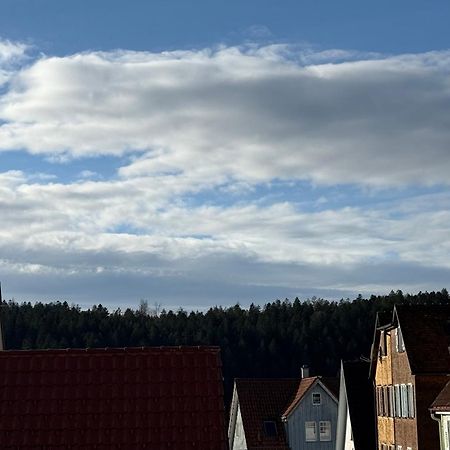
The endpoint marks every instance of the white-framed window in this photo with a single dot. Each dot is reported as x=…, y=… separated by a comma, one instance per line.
x=404, y=400
x=399, y=447
x=316, y=398
x=383, y=344
x=399, y=343
x=398, y=405
x=391, y=401
x=408, y=448
x=325, y=430
x=411, y=406
x=310, y=431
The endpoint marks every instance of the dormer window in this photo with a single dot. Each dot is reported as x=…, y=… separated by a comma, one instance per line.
x=316, y=398
x=270, y=428
x=400, y=345
x=383, y=344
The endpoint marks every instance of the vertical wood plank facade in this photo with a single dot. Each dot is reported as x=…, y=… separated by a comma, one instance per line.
x=307, y=412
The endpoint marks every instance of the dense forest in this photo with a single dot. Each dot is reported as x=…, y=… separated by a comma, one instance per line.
x=269, y=341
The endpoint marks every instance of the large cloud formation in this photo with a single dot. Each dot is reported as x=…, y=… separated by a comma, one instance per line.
x=196, y=125
x=249, y=114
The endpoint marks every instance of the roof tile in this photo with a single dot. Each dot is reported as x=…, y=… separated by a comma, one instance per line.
x=260, y=400
x=332, y=384
x=165, y=398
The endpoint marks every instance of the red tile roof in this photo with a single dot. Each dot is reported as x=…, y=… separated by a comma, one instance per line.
x=261, y=400
x=442, y=402
x=332, y=384
x=130, y=398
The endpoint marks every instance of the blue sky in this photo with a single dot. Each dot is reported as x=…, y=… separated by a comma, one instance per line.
x=209, y=152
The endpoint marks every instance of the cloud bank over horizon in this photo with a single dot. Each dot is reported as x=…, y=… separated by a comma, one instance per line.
x=235, y=174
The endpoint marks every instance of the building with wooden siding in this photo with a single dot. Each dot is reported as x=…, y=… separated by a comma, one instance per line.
x=311, y=418
x=410, y=366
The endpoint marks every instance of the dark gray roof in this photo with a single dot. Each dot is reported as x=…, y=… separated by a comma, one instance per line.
x=360, y=403
x=426, y=333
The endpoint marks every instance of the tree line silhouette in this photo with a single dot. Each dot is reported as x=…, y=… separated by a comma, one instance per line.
x=273, y=340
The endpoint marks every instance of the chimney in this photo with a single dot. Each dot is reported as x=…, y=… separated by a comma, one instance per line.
x=304, y=371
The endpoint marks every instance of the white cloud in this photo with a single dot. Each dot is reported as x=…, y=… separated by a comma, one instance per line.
x=220, y=123
x=250, y=114
x=11, y=51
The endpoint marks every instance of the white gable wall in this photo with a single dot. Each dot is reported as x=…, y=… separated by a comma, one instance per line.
x=349, y=444
x=239, y=442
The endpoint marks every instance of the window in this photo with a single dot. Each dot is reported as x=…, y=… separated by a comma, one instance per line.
x=325, y=430
x=316, y=399
x=404, y=400
x=400, y=345
x=383, y=344
x=385, y=401
x=391, y=401
x=399, y=447
x=398, y=408
x=310, y=431
x=411, y=407
x=270, y=428
x=380, y=402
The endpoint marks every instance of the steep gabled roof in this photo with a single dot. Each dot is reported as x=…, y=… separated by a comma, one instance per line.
x=383, y=320
x=129, y=398
x=360, y=401
x=264, y=400
x=329, y=384
x=426, y=334
x=442, y=402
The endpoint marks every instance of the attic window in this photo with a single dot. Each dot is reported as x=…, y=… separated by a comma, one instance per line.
x=270, y=428
x=400, y=344
x=316, y=399
x=383, y=343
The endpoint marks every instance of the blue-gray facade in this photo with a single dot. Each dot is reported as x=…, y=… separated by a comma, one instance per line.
x=299, y=423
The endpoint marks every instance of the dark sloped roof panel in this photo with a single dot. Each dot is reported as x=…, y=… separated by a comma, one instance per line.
x=264, y=400
x=155, y=398
x=426, y=333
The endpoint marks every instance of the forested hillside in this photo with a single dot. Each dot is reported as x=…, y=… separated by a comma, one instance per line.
x=273, y=340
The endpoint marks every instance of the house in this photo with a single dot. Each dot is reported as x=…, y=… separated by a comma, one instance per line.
x=410, y=366
x=256, y=410
x=311, y=418
x=440, y=411
x=125, y=398
x=356, y=420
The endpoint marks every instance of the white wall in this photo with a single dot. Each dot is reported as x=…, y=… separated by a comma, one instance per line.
x=239, y=442
x=349, y=444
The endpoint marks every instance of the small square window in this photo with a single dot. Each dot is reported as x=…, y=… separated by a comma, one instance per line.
x=325, y=430
x=270, y=428
x=310, y=431
x=316, y=399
